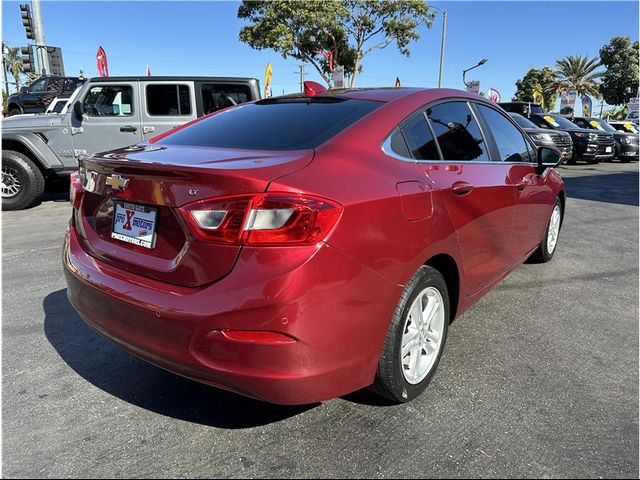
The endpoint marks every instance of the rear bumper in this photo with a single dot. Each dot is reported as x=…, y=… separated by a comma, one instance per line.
x=333, y=311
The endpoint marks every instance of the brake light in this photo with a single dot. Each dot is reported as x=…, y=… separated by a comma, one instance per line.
x=263, y=219
x=75, y=190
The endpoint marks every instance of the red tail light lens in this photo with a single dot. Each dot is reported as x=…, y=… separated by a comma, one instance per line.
x=75, y=190
x=263, y=219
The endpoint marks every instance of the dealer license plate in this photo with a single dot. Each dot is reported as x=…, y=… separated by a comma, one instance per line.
x=135, y=224
x=607, y=150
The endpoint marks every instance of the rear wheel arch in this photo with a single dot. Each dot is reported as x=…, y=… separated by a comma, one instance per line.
x=14, y=106
x=448, y=268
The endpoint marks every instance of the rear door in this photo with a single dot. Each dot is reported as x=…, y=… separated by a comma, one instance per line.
x=476, y=191
x=532, y=192
x=166, y=105
x=111, y=118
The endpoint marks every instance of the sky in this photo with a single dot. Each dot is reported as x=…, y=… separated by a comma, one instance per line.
x=201, y=38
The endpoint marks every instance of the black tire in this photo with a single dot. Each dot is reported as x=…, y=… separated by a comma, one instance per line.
x=390, y=381
x=542, y=254
x=15, y=111
x=27, y=173
x=593, y=161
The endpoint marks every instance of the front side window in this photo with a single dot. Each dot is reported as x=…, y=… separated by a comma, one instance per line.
x=275, y=124
x=216, y=96
x=168, y=100
x=38, y=86
x=109, y=101
x=457, y=132
x=512, y=147
x=419, y=138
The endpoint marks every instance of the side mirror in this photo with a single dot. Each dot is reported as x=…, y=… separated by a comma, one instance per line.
x=548, y=157
x=78, y=110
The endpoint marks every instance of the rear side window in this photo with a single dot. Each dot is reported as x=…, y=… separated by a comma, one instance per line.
x=275, y=124
x=216, y=96
x=165, y=100
x=398, y=145
x=457, y=132
x=511, y=144
x=419, y=138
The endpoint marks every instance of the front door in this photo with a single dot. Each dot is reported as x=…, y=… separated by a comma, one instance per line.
x=111, y=118
x=532, y=192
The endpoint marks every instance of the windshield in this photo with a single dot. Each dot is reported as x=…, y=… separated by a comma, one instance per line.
x=558, y=121
x=601, y=125
x=627, y=127
x=275, y=124
x=523, y=122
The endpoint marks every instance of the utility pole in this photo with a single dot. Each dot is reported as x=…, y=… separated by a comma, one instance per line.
x=444, y=36
x=43, y=58
x=302, y=77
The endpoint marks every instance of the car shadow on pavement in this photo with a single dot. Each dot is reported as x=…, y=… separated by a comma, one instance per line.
x=116, y=372
x=619, y=188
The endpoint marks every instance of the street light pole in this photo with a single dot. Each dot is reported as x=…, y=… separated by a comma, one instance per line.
x=444, y=34
x=464, y=72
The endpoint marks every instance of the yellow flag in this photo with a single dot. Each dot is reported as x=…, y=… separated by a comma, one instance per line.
x=397, y=82
x=267, y=80
x=538, y=98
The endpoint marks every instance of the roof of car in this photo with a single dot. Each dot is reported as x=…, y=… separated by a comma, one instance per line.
x=172, y=78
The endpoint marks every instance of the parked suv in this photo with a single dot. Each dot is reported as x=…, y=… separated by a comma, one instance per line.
x=36, y=97
x=588, y=146
x=109, y=112
x=546, y=138
x=626, y=147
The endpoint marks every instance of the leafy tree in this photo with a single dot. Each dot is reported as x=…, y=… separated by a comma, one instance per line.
x=544, y=80
x=620, y=79
x=351, y=29
x=578, y=72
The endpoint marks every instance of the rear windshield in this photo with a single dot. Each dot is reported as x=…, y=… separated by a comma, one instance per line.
x=275, y=124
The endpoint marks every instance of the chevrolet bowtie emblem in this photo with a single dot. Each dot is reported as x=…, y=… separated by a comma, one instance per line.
x=117, y=182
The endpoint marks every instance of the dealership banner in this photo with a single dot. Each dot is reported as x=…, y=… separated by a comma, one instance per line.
x=538, y=98
x=267, y=80
x=568, y=102
x=587, y=106
x=101, y=62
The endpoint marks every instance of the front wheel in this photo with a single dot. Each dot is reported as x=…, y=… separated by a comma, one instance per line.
x=22, y=181
x=547, y=248
x=415, y=339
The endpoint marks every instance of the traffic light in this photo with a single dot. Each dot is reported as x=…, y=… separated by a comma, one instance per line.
x=28, y=64
x=27, y=20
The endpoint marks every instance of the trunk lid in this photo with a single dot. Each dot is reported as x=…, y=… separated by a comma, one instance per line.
x=165, y=178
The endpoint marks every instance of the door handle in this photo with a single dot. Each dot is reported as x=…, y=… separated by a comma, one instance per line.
x=129, y=128
x=461, y=188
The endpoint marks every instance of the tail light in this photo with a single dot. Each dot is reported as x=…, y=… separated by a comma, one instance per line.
x=263, y=219
x=75, y=190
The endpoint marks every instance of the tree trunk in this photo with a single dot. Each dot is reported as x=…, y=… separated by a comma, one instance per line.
x=355, y=70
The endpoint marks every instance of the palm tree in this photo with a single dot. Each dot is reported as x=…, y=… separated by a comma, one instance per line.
x=14, y=64
x=578, y=72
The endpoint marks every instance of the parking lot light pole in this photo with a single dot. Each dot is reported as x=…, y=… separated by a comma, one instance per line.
x=464, y=72
x=444, y=34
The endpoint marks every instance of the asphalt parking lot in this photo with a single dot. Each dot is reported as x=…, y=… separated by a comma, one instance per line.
x=539, y=379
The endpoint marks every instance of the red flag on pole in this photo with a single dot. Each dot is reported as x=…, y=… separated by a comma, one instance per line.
x=148, y=71
x=101, y=61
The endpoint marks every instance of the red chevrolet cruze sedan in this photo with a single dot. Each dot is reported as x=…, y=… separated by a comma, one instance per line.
x=303, y=247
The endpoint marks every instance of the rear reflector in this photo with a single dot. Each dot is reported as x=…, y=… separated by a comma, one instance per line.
x=263, y=219
x=257, y=337
x=75, y=190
